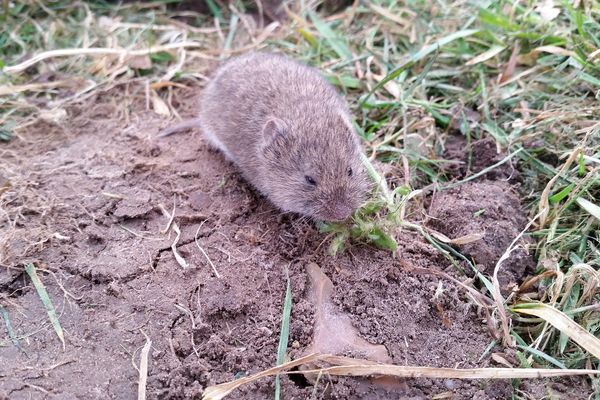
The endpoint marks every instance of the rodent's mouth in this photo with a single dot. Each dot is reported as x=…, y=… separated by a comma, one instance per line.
x=336, y=213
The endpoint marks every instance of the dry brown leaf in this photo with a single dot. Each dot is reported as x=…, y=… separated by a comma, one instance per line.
x=333, y=331
x=140, y=62
x=594, y=54
x=158, y=105
x=510, y=66
x=173, y=225
x=493, y=51
x=39, y=87
x=547, y=10
x=389, y=15
x=470, y=238
x=559, y=51
x=54, y=116
x=218, y=392
x=162, y=84
x=501, y=360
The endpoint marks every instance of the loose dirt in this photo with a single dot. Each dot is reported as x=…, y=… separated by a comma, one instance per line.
x=84, y=205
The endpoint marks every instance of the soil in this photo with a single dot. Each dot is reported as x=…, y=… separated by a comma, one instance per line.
x=84, y=206
x=492, y=209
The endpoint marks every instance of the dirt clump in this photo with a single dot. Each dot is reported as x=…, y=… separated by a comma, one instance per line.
x=476, y=156
x=490, y=208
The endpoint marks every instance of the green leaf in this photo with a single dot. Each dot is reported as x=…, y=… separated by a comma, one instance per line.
x=402, y=190
x=589, y=78
x=309, y=37
x=161, y=57
x=337, y=243
x=382, y=239
x=327, y=227
x=562, y=194
x=496, y=19
x=543, y=355
x=522, y=360
x=5, y=135
x=9, y=329
x=371, y=208
x=479, y=212
x=214, y=9
x=43, y=294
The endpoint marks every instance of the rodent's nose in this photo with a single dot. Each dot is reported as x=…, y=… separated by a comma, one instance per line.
x=340, y=212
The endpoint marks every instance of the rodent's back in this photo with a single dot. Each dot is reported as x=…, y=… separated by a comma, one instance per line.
x=248, y=90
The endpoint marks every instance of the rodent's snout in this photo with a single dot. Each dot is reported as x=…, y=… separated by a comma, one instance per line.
x=338, y=212
x=340, y=203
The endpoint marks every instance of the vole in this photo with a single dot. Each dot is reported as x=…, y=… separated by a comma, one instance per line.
x=289, y=133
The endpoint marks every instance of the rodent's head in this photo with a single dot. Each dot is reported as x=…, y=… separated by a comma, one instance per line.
x=314, y=168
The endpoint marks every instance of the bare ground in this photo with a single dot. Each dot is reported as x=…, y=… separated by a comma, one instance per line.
x=83, y=205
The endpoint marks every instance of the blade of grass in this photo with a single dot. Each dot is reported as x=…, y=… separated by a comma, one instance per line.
x=9, y=329
x=45, y=298
x=15, y=69
x=285, y=333
x=542, y=355
x=496, y=293
x=229, y=40
x=555, y=198
x=563, y=323
x=344, y=366
x=214, y=9
x=492, y=52
x=590, y=207
x=218, y=392
x=143, y=370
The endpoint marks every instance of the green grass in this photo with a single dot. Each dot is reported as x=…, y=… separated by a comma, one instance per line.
x=46, y=301
x=284, y=333
x=428, y=64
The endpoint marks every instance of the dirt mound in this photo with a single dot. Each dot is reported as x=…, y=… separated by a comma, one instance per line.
x=476, y=156
x=85, y=206
x=492, y=209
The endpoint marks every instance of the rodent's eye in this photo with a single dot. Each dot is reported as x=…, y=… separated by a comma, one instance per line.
x=349, y=171
x=310, y=180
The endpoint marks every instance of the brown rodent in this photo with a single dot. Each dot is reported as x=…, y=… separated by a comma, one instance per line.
x=289, y=133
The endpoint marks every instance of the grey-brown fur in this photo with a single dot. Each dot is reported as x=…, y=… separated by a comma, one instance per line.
x=279, y=121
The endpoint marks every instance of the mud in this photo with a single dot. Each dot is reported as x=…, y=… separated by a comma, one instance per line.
x=85, y=206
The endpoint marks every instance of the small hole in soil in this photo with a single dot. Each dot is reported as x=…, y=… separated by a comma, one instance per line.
x=299, y=379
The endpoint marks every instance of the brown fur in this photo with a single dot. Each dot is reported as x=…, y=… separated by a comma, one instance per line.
x=279, y=121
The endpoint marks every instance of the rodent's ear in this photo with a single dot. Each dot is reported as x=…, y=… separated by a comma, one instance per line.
x=273, y=129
